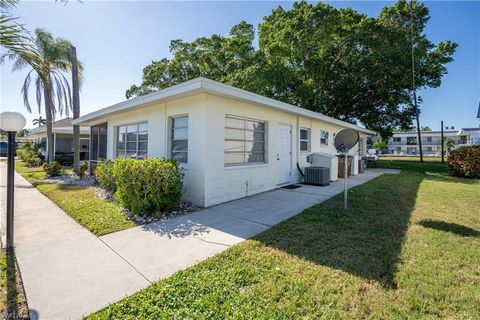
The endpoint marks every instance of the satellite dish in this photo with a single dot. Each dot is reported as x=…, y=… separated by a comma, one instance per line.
x=346, y=139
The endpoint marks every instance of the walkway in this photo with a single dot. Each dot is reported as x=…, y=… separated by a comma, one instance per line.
x=69, y=273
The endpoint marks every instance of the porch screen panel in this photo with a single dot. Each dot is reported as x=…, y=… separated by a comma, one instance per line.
x=94, y=143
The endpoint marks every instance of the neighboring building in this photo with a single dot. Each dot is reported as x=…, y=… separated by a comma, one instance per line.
x=472, y=135
x=405, y=143
x=231, y=143
x=62, y=139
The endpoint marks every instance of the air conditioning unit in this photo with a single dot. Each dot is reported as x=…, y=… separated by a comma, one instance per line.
x=319, y=176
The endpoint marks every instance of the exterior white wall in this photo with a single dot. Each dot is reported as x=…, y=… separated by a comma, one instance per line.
x=158, y=118
x=207, y=180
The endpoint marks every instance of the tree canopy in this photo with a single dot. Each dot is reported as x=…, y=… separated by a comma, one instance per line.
x=335, y=61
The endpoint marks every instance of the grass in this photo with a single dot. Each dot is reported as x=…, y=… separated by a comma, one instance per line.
x=13, y=304
x=97, y=215
x=408, y=248
x=414, y=158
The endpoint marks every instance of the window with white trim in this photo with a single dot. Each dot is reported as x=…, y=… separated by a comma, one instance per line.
x=179, y=139
x=132, y=141
x=324, y=138
x=304, y=140
x=244, y=141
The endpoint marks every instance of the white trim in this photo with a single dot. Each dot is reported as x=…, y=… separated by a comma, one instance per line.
x=200, y=85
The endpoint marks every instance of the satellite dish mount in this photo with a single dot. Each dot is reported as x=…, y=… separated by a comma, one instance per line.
x=345, y=140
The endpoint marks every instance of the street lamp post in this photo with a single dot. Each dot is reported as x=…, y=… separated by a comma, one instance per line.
x=11, y=122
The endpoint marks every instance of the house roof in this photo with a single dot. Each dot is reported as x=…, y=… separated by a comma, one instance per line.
x=63, y=126
x=203, y=85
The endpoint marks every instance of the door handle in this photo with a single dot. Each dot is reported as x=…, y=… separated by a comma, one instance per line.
x=278, y=157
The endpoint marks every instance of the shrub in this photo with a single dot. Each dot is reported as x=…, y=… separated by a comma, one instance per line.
x=53, y=168
x=65, y=160
x=465, y=161
x=83, y=169
x=30, y=157
x=149, y=185
x=104, y=174
x=28, y=153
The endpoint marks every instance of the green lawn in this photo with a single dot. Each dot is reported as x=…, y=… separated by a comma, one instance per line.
x=408, y=248
x=97, y=215
x=413, y=158
x=13, y=304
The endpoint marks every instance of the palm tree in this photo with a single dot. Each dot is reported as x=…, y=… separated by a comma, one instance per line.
x=51, y=84
x=449, y=145
x=14, y=37
x=39, y=122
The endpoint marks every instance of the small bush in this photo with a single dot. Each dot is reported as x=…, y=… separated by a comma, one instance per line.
x=465, y=162
x=53, y=168
x=149, y=185
x=104, y=174
x=34, y=161
x=83, y=169
x=65, y=160
x=30, y=157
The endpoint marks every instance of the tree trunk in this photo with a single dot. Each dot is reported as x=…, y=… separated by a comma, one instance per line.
x=47, y=91
x=76, y=111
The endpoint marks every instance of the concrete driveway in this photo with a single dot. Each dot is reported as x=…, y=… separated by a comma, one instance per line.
x=69, y=273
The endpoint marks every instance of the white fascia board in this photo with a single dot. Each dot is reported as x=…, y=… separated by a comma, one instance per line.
x=236, y=93
x=199, y=85
x=185, y=88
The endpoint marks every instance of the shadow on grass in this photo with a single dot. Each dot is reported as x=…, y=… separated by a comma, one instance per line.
x=450, y=227
x=364, y=240
x=443, y=177
x=12, y=307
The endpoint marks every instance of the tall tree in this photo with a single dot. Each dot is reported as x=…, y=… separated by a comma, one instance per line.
x=14, y=37
x=76, y=110
x=50, y=83
x=335, y=61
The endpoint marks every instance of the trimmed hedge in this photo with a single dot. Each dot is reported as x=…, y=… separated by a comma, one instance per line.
x=148, y=186
x=104, y=175
x=465, y=161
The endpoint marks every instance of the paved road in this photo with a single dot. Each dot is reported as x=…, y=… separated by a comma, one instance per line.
x=69, y=273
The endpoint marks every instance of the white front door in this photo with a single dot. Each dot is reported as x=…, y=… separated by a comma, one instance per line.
x=284, y=153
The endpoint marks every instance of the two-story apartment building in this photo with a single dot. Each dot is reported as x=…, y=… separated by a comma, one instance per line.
x=406, y=143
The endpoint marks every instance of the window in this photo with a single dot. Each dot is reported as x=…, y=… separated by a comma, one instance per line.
x=179, y=136
x=429, y=139
x=304, y=140
x=397, y=139
x=244, y=141
x=323, y=138
x=411, y=140
x=132, y=141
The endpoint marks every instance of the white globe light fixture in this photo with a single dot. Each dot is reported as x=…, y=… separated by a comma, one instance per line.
x=11, y=122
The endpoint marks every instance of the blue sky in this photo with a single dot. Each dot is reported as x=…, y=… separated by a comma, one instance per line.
x=115, y=40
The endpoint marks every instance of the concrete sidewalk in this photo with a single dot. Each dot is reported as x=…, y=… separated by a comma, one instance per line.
x=69, y=273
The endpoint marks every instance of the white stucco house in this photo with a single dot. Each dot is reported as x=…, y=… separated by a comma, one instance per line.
x=62, y=138
x=231, y=143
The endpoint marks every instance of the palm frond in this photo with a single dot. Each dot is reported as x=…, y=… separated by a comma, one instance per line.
x=25, y=87
x=39, y=89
